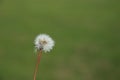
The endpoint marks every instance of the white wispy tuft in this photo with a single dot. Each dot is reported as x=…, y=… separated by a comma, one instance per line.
x=44, y=42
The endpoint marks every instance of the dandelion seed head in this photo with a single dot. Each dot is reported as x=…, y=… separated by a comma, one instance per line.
x=44, y=42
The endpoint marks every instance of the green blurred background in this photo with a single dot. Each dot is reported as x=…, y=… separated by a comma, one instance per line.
x=86, y=32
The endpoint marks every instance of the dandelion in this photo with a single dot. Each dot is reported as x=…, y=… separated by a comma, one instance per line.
x=42, y=43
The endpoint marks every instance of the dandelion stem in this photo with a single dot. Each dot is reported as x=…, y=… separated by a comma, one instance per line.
x=37, y=64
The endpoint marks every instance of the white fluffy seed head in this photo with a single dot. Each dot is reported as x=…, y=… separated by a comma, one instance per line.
x=44, y=42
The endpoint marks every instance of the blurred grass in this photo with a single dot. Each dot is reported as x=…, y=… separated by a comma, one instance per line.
x=86, y=34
